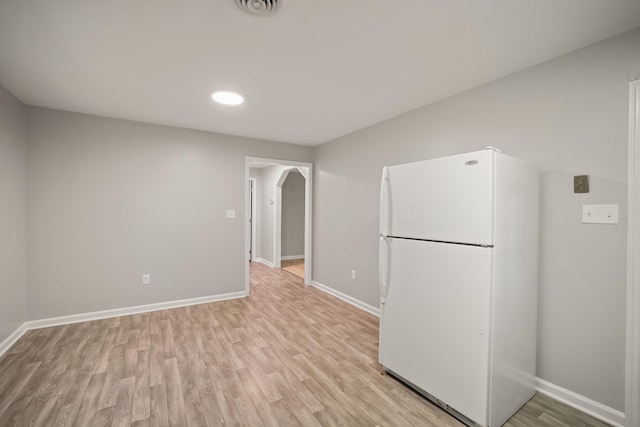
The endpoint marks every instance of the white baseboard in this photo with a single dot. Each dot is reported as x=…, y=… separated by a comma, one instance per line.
x=290, y=257
x=344, y=297
x=11, y=339
x=105, y=314
x=264, y=261
x=581, y=403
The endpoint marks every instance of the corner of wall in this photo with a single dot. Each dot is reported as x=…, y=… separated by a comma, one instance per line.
x=13, y=133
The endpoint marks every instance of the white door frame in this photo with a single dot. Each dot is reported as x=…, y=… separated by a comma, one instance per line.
x=308, y=217
x=254, y=217
x=632, y=389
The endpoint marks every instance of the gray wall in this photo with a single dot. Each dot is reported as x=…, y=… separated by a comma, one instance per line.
x=109, y=200
x=12, y=213
x=292, y=229
x=267, y=181
x=569, y=116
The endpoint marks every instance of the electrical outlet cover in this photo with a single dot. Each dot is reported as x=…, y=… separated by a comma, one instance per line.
x=581, y=184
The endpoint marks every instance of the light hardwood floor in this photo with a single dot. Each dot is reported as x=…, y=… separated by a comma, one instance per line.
x=286, y=355
x=295, y=266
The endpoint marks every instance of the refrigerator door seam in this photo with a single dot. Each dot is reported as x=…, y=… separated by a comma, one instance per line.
x=480, y=245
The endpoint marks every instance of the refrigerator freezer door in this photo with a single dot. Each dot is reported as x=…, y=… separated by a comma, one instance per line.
x=448, y=199
x=435, y=321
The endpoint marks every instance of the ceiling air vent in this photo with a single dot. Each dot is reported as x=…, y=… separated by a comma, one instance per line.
x=259, y=7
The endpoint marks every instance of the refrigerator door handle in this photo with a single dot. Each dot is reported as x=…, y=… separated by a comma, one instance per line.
x=383, y=258
x=384, y=202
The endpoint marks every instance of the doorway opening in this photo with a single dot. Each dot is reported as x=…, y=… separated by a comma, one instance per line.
x=278, y=215
x=289, y=220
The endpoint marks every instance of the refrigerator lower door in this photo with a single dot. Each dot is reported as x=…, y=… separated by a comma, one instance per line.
x=435, y=321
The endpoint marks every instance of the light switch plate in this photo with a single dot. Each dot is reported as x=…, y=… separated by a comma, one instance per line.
x=231, y=214
x=600, y=214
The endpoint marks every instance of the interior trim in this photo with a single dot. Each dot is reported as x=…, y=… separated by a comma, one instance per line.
x=105, y=314
x=264, y=261
x=11, y=339
x=344, y=297
x=581, y=403
x=632, y=387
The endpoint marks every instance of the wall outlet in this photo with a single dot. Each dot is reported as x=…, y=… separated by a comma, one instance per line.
x=581, y=184
x=146, y=279
x=353, y=275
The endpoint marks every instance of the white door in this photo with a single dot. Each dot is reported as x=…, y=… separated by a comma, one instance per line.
x=435, y=322
x=447, y=199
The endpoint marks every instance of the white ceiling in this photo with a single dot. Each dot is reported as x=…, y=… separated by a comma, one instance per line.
x=316, y=70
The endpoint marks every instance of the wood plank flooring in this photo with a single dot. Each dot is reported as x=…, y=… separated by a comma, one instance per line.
x=545, y=412
x=295, y=266
x=286, y=355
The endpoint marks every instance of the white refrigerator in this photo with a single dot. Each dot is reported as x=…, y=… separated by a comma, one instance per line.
x=458, y=281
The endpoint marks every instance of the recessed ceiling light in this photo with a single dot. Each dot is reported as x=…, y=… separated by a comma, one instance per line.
x=227, y=98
